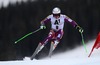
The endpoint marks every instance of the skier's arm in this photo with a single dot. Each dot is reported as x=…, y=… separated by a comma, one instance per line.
x=43, y=22
x=74, y=24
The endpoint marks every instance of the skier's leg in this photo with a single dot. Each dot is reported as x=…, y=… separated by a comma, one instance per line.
x=54, y=44
x=59, y=35
x=41, y=45
x=52, y=47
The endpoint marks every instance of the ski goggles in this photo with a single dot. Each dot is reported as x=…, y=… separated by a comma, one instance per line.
x=56, y=14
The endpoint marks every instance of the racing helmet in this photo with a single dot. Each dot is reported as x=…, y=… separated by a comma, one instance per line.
x=56, y=10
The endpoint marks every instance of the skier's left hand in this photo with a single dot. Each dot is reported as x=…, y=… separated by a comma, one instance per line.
x=79, y=29
x=43, y=27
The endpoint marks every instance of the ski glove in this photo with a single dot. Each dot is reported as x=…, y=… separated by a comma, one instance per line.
x=42, y=27
x=79, y=29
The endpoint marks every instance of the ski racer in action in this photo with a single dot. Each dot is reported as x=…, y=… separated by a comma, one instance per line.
x=56, y=33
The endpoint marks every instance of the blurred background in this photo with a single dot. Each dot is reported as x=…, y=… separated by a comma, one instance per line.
x=19, y=17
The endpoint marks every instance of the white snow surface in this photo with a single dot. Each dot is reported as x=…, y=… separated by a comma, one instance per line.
x=77, y=56
x=5, y=3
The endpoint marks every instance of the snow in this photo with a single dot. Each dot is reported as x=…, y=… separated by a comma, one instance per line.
x=77, y=56
x=5, y=3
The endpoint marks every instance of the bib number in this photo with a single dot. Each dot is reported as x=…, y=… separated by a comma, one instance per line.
x=57, y=23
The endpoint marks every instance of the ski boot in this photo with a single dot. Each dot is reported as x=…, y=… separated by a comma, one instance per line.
x=38, y=49
x=52, y=47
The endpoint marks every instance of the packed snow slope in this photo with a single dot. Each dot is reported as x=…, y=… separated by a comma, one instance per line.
x=77, y=56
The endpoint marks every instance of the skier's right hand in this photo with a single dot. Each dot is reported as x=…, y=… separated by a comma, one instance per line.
x=42, y=27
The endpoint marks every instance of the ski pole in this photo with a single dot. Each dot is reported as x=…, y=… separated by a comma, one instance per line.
x=83, y=43
x=27, y=35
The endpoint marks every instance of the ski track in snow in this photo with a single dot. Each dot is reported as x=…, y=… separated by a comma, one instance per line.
x=77, y=56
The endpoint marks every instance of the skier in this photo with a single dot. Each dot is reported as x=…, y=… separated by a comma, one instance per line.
x=57, y=23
